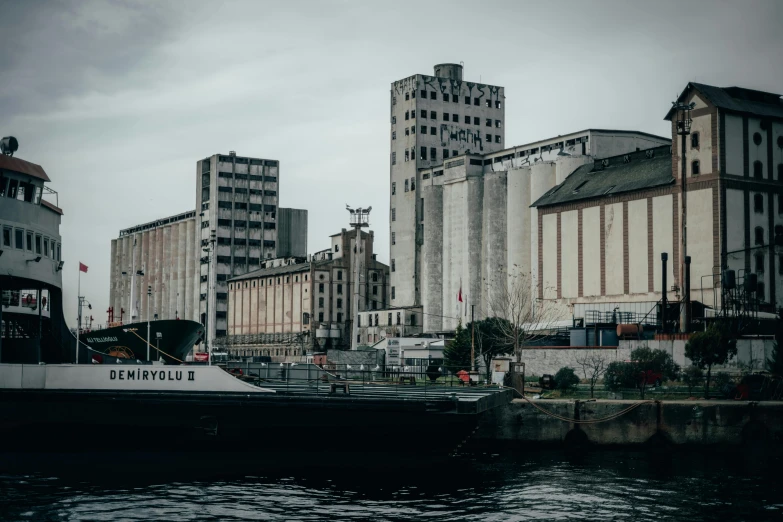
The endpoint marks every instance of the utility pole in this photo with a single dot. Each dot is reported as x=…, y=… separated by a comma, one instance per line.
x=209, y=251
x=683, y=125
x=472, y=340
x=149, y=305
x=360, y=218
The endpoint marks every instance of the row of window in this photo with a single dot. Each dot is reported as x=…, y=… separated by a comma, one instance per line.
x=30, y=241
x=446, y=97
x=453, y=117
x=21, y=190
x=389, y=319
x=757, y=139
x=270, y=282
x=251, y=177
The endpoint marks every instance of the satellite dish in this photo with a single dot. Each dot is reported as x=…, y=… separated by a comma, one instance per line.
x=9, y=145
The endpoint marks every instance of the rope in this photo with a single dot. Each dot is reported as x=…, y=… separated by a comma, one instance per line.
x=575, y=421
x=152, y=346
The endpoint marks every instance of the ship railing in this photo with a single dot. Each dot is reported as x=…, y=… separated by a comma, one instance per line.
x=415, y=379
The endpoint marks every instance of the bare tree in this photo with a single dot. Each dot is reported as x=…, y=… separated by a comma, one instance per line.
x=527, y=319
x=593, y=367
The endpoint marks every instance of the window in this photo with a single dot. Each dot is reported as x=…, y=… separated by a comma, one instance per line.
x=445, y=153
x=695, y=140
x=780, y=171
x=758, y=170
x=760, y=291
x=489, y=138
x=46, y=246
x=320, y=317
x=393, y=265
x=489, y=103
x=407, y=115
x=339, y=275
x=476, y=121
x=476, y=101
x=358, y=321
x=19, y=239
x=433, y=96
x=445, y=97
x=453, y=152
x=399, y=318
x=467, y=100
x=394, y=214
x=320, y=302
x=389, y=319
x=455, y=118
x=467, y=120
x=393, y=239
x=758, y=203
x=394, y=158
x=424, y=129
x=376, y=319
x=394, y=135
x=6, y=237
x=29, y=241
x=497, y=124
x=757, y=138
x=413, y=183
x=54, y=245
x=321, y=287
x=433, y=131
x=339, y=303
x=413, y=129
x=413, y=319
x=488, y=122
x=374, y=290
x=336, y=248
x=695, y=168
x=433, y=115
x=392, y=292
x=407, y=155
x=497, y=138
x=394, y=187
x=394, y=120
x=423, y=94
x=423, y=153
x=758, y=233
x=433, y=154
x=497, y=104
x=394, y=100
x=406, y=185
x=375, y=275
x=339, y=289
x=407, y=131
x=413, y=114
x=423, y=113
x=37, y=243
x=446, y=116
x=407, y=96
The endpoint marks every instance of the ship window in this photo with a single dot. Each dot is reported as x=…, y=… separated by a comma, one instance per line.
x=19, y=238
x=30, y=241
x=13, y=185
x=38, y=244
x=46, y=246
x=6, y=237
x=54, y=246
x=58, y=252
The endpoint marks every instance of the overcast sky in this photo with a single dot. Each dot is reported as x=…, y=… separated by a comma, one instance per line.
x=118, y=100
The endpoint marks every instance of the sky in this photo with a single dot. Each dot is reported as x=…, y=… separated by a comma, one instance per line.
x=117, y=100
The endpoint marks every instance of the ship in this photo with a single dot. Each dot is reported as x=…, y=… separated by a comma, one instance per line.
x=32, y=323
x=170, y=341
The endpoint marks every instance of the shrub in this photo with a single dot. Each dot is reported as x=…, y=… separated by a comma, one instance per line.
x=692, y=376
x=566, y=379
x=723, y=383
x=620, y=375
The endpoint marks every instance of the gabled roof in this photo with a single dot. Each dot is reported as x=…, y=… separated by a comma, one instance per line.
x=639, y=170
x=736, y=99
x=22, y=167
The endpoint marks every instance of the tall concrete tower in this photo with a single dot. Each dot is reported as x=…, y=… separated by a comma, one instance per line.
x=433, y=118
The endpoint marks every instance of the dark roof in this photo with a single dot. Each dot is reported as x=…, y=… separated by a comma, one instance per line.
x=593, y=180
x=269, y=272
x=51, y=206
x=23, y=167
x=737, y=99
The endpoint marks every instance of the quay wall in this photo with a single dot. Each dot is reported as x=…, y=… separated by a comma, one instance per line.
x=679, y=423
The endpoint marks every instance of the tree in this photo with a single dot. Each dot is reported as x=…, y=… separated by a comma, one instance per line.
x=775, y=363
x=692, y=376
x=620, y=375
x=489, y=340
x=566, y=379
x=714, y=346
x=524, y=319
x=593, y=367
x=456, y=355
x=655, y=365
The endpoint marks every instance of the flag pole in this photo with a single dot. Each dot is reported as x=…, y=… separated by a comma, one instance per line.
x=78, y=309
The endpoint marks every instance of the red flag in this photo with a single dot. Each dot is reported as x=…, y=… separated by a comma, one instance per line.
x=459, y=295
x=82, y=267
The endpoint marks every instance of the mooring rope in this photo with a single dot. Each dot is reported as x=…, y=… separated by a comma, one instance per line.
x=577, y=421
x=153, y=346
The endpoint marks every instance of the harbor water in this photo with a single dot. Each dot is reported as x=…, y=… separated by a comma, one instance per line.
x=479, y=485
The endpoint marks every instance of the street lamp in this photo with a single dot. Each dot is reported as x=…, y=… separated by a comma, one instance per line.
x=209, y=249
x=683, y=125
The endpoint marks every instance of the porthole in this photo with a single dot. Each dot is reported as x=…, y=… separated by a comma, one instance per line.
x=757, y=138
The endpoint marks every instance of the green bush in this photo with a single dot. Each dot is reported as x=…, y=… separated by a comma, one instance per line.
x=692, y=377
x=566, y=379
x=620, y=375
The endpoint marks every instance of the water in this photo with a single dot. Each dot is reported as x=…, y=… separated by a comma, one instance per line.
x=540, y=486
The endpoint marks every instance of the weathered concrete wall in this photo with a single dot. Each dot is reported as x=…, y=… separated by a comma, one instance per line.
x=291, y=232
x=680, y=422
x=493, y=237
x=432, y=264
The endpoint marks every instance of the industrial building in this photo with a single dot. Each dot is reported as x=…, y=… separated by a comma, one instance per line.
x=295, y=305
x=188, y=258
